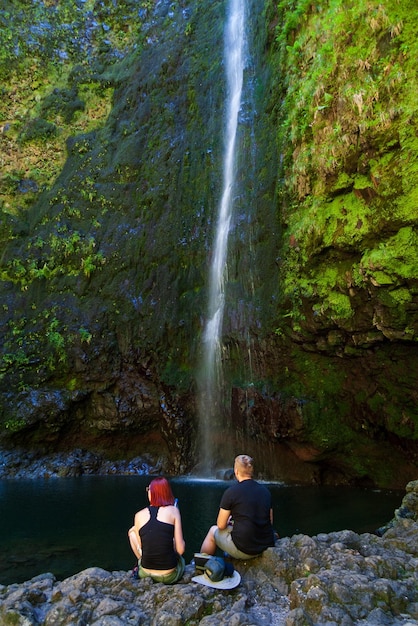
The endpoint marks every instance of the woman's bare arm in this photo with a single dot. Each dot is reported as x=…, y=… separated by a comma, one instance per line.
x=179, y=543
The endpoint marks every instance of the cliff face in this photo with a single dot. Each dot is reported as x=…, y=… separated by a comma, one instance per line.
x=112, y=156
x=349, y=269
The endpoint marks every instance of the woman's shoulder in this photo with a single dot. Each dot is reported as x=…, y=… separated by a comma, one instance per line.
x=170, y=508
x=169, y=512
x=142, y=513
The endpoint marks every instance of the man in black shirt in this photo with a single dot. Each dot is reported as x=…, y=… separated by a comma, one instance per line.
x=244, y=525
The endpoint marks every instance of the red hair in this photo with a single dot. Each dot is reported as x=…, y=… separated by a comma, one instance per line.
x=161, y=494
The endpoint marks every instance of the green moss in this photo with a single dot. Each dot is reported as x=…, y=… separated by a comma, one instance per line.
x=72, y=384
x=15, y=425
x=324, y=408
x=344, y=182
x=404, y=424
x=349, y=137
x=10, y=618
x=335, y=304
x=38, y=129
x=400, y=296
x=395, y=259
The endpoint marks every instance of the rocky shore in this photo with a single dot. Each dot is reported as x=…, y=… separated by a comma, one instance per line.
x=341, y=578
x=19, y=463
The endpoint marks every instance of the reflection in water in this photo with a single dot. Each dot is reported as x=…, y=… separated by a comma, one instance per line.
x=66, y=525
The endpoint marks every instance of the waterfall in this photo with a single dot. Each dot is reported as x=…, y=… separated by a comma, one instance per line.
x=211, y=383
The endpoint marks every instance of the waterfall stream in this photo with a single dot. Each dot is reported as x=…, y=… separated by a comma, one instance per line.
x=211, y=383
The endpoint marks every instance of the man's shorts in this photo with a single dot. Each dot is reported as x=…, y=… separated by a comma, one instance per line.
x=224, y=542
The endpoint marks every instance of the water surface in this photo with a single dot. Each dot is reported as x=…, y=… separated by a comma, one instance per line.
x=66, y=525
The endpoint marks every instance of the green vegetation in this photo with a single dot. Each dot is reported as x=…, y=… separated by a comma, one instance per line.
x=346, y=78
x=349, y=136
x=394, y=261
x=14, y=425
x=69, y=254
x=91, y=201
x=10, y=618
x=52, y=57
x=38, y=342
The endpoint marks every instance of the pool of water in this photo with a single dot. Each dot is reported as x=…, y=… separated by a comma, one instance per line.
x=66, y=525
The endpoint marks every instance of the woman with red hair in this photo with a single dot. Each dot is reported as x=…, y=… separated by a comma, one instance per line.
x=156, y=537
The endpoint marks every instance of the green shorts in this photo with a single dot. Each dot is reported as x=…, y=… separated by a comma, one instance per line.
x=167, y=579
x=224, y=542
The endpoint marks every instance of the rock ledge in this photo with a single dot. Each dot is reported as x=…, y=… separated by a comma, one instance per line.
x=340, y=578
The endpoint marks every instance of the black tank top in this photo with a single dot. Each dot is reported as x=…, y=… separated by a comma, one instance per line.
x=157, y=543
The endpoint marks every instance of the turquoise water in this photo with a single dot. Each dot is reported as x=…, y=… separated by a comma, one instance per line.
x=66, y=525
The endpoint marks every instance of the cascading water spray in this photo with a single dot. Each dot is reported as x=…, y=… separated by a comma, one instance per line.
x=211, y=374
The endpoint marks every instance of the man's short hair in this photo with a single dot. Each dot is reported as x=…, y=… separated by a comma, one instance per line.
x=245, y=464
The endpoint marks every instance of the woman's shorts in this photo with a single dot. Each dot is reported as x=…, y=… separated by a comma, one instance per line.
x=224, y=542
x=167, y=579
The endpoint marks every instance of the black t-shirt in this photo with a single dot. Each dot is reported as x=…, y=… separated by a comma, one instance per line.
x=250, y=504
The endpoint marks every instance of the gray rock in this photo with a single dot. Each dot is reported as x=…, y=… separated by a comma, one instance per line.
x=340, y=579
